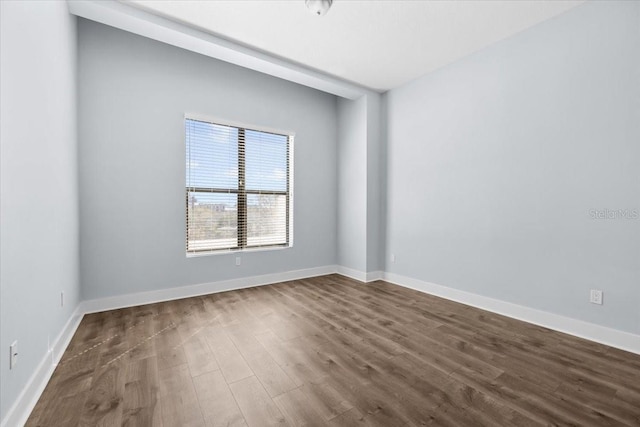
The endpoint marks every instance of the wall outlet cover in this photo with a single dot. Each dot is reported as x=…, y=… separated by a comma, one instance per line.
x=596, y=296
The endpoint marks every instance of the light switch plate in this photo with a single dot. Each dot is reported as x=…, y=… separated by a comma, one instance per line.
x=13, y=355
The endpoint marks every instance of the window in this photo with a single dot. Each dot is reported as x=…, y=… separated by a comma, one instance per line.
x=238, y=187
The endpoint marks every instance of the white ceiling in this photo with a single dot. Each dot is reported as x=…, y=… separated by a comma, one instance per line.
x=377, y=44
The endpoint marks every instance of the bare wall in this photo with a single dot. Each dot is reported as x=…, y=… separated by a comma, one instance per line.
x=39, y=202
x=352, y=189
x=133, y=95
x=496, y=163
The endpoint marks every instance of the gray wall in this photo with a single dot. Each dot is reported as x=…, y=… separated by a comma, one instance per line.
x=360, y=178
x=495, y=161
x=39, y=191
x=133, y=95
x=352, y=188
x=375, y=176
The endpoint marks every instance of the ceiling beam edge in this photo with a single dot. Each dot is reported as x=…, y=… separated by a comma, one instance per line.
x=148, y=25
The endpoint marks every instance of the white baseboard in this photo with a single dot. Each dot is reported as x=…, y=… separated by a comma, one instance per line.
x=351, y=273
x=150, y=297
x=372, y=276
x=590, y=331
x=360, y=275
x=26, y=401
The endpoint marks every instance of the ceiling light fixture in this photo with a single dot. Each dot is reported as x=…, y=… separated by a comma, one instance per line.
x=318, y=7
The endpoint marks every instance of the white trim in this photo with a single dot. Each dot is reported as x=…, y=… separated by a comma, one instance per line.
x=590, y=331
x=372, y=276
x=215, y=252
x=198, y=117
x=28, y=397
x=129, y=18
x=352, y=273
x=291, y=188
x=358, y=275
x=140, y=298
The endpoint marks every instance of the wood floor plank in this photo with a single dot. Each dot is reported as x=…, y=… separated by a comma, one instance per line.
x=70, y=382
x=347, y=322
x=298, y=410
x=272, y=377
x=291, y=359
x=141, y=400
x=332, y=351
x=601, y=399
x=168, y=343
x=326, y=400
x=178, y=399
x=66, y=414
x=244, y=336
x=104, y=405
x=230, y=360
x=356, y=380
x=352, y=417
x=218, y=405
x=199, y=356
x=256, y=405
x=139, y=344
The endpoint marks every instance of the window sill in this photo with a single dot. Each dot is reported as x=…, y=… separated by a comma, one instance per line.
x=237, y=251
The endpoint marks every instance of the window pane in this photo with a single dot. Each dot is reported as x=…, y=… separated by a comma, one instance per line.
x=266, y=219
x=212, y=155
x=212, y=221
x=266, y=161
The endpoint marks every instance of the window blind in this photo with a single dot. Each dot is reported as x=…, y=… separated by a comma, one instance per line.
x=238, y=187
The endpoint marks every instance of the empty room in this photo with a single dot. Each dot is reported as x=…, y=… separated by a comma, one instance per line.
x=319, y=213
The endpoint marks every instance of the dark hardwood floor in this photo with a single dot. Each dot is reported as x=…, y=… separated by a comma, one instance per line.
x=332, y=351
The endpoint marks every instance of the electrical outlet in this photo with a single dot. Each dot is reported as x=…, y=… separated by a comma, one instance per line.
x=596, y=296
x=13, y=355
x=61, y=299
x=238, y=260
x=393, y=257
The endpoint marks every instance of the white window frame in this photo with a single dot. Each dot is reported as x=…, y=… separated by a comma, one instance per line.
x=289, y=192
